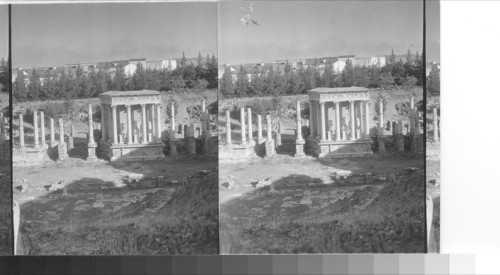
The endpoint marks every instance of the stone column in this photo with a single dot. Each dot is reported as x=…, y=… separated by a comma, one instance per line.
x=380, y=135
x=52, y=133
x=158, y=122
x=109, y=116
x=129, y=124
x=153, y=125
x=381, y=118
x=367, y=119
x=337, y=121
x=270, y=150
x=412, y=103
x=269, y=127
x=104, y=127
x=299, y=142
x=70, y=138
x=318, y=120
x=115, y=128
x=259, y=129
x=61, y=131
x=21, y=132
x=35, y=128
x=312, y=121
x=143, y=124
x=62, y=149
x=299, y=123
x=243, y=130
x=228, y=127
x=352, y=120
x=361, y=121
x=435, y=130
x=278, y=134
x=250, y=130
x=203, y=106
x=323, y=127
x=91, y=126
x=172, y=120
x=42, y=129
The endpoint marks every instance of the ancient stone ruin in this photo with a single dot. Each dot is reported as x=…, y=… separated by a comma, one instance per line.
x=131, y=126
x=347, y=110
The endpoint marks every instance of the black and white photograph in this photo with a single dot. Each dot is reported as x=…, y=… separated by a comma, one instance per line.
x=6, y=218
x=433, y=148
x=114, y=119
x=320, y=124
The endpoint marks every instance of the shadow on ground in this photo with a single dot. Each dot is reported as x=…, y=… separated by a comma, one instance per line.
x=297, y=213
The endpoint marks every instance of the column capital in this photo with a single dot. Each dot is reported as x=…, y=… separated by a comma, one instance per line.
x=128, y=105
x=351, y=101
x=114, y=106
x=321, y=102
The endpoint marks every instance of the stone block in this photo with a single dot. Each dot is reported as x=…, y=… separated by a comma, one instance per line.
x=270, y=148
x=62, y=150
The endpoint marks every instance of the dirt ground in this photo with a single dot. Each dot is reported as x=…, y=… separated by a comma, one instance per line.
x=75, y=193
x=297, y=195
x=433, y=179
x=6, y=244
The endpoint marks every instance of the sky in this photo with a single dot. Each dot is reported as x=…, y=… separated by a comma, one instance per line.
x=300, y=29
x=4, y=31
x=433, y=32
x=59, y=34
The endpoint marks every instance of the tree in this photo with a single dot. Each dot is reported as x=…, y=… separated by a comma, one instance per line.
x=328, y=78
x=227, y=85
x=34, y=86
x=183, y=60
x=347, y=75
x=139, y=78
x=119, y=79
x=392, y=59
x=211, y=73
x=20, y=91
x=242, y=81
x=409, y=58
x=433, y=80
x=4, y=75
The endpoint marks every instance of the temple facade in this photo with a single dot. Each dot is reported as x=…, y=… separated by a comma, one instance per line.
x=339, y=122
x=131, y=125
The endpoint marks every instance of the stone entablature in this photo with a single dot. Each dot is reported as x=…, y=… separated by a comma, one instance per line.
x=115, y=98
x=339, y=94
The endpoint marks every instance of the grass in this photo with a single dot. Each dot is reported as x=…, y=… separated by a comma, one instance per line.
x=187, y=224
x=5, y=216
x=393, y=223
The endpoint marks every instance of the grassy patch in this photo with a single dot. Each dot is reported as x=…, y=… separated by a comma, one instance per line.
x=393, y=223
x=5, y=216
x=187, y=224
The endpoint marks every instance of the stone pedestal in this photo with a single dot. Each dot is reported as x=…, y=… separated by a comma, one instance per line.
x=270, y=150
x=191, y=145
x=91, y=156
x=400, y=142
x=71, y=144
x=62, y=150
x=381, y=144
x=173, y=147
x=299, y=148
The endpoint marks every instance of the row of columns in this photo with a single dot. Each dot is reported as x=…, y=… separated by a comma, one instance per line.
x=110, y=132
x=43, y=142
x=247, y=117
x=318, y=115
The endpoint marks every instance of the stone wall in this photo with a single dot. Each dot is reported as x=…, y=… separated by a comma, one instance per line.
x=236, y=153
